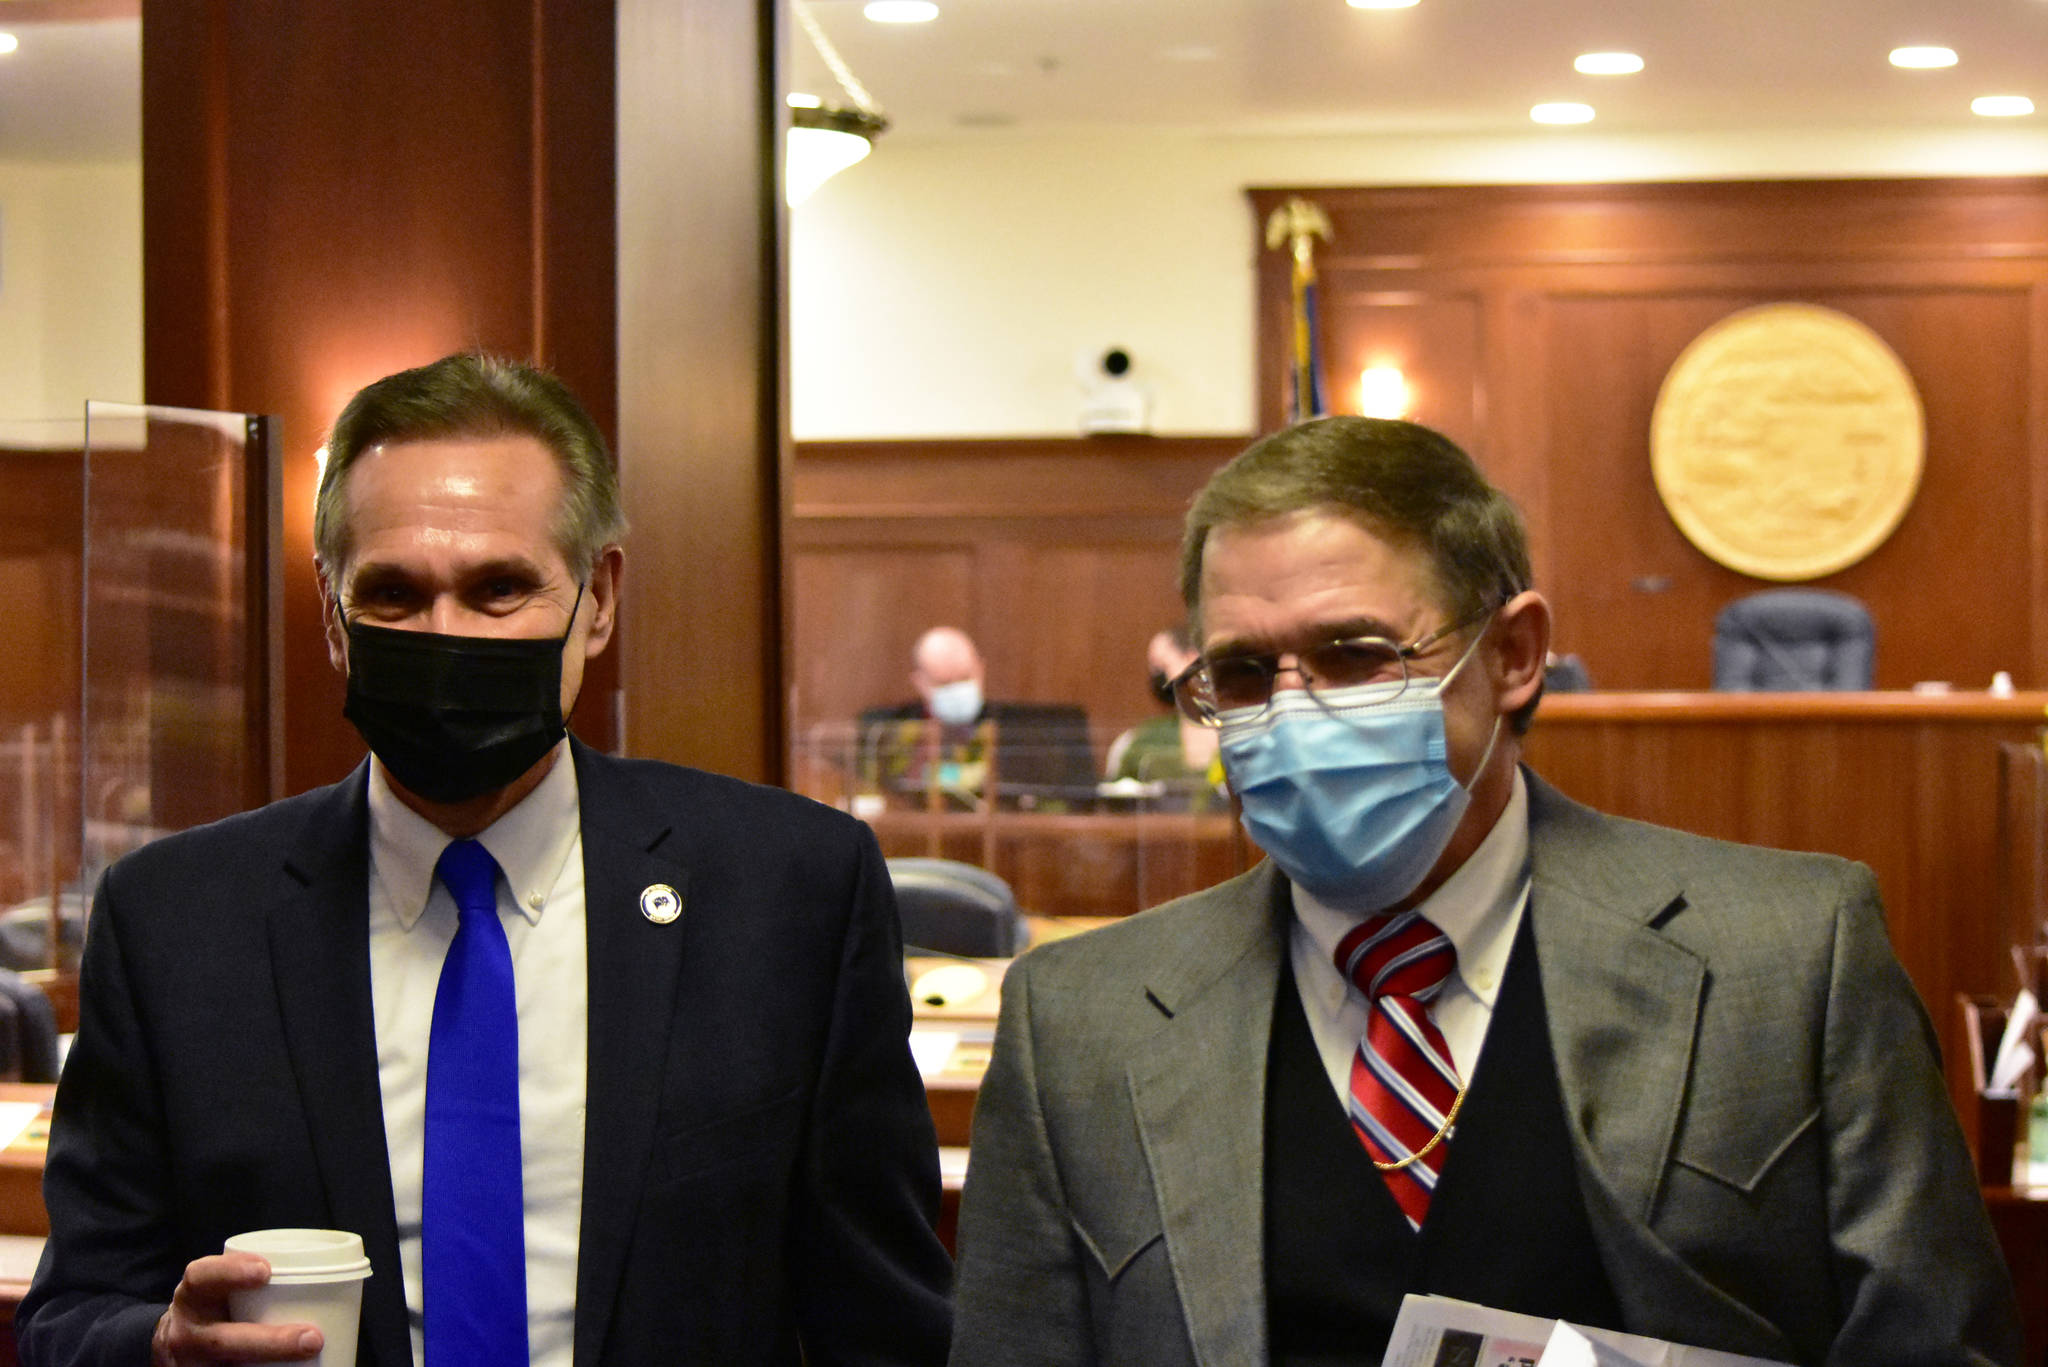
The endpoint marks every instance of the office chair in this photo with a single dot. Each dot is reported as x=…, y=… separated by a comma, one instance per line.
x=1793, y=640
x=28, y=1031
x=948, y=907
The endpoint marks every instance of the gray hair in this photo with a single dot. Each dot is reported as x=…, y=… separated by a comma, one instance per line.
x=471, y=394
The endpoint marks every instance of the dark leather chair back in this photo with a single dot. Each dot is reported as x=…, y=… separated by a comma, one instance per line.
x=28, y=1031
x=949, y=907
x=1793, y=640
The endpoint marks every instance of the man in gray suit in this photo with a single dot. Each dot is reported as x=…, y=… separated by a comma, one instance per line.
x=1458, y=1034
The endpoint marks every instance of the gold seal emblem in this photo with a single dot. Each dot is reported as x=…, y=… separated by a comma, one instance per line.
x=1787, y=441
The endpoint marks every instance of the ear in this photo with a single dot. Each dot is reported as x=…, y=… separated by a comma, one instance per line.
x=1521, y=644
x=603, y=591
x=330, y=620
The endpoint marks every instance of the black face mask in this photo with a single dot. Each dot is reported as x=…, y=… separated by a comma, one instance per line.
x=1162, y=688
x=455, y=717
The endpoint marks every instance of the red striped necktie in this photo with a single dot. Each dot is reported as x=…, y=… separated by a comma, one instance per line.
x=1404, y=1084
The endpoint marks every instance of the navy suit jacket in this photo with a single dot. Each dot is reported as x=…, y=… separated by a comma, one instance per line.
x=759, y=1168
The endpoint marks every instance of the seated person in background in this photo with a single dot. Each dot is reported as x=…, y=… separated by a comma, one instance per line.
x=1168, y=748
x=943, y=740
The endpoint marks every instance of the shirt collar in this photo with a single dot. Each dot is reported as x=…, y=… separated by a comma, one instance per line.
x=1478, y=906
x=532, y=842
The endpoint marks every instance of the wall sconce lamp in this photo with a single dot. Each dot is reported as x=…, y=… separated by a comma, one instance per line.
x=1383, y=392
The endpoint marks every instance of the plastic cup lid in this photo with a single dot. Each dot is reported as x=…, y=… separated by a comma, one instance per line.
x=303, y=1250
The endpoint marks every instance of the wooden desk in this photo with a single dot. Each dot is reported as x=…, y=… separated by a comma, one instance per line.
x=1904, y=782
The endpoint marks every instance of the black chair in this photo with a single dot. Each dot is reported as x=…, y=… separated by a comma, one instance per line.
x=1793, y=640
x=952, y=908
x=28, y=1031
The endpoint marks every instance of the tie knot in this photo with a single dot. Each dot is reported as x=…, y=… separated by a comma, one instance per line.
x=1397, y=956
x=470, y=875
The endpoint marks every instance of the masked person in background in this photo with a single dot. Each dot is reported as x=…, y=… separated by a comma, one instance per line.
x=603, y=1059
x=955, y=744
x=1458, y=1034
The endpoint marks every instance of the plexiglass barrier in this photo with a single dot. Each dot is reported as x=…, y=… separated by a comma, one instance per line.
x=180, y=623
x=1042, y=812
x=41, y=537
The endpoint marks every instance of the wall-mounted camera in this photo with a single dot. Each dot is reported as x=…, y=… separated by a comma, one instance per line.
x=1115, y=402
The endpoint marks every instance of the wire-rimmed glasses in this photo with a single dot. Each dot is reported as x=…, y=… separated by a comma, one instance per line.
x=1243, y=684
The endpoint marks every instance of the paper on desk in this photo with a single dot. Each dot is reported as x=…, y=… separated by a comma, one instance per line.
x=1437, y=1331
x=16, y=1116
x=931, y=1049
x=2015, y=1053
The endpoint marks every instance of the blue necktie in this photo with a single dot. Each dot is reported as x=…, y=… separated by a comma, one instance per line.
x=472, y=1217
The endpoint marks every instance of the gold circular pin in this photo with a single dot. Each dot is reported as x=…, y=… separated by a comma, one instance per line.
x=660, y=903
x=1787, y=441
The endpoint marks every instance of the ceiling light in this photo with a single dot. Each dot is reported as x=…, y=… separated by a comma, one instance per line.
x=1382, y=4
x=1562, y=111
x=8, y=43
x=1607, y=64
x=900, y=11
x=1923, y=58
x=2002, y=106
x=826, y=139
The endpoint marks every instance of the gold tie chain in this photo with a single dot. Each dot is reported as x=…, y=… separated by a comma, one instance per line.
x=1434, y=1140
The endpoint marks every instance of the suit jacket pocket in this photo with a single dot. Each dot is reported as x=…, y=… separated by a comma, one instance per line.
x=1741, y=1156
x=763, y=1135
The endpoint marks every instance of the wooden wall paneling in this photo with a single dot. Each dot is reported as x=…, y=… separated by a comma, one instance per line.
x=2035, y=578
x=1098, y=606
x=306, y=231
x=1437, y=342
x=859, y=610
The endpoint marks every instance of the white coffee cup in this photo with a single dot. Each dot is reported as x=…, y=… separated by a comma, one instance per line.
x=316, y=1278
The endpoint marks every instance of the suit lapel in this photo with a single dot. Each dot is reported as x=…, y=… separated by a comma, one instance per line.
x=1623, y=999
x=320, y=960
x=1207, y=1161
x=634, y=962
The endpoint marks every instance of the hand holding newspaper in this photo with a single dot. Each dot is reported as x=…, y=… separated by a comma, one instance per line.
x=1436, y=1331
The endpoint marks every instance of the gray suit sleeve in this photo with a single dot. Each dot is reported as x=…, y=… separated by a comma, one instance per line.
x=1916, y=1268
x=1020, y=1290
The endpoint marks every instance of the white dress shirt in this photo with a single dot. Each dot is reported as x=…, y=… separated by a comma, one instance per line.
x=1479, y=907
x=539, y=846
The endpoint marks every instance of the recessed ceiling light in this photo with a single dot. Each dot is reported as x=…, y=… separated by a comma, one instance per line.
x=8, y=43
x=796, y=99
x=1923, y=58
x=900, y=11
x=1562, y=111
x=1607, y=64
x=1381, y=4
x=2002, y=106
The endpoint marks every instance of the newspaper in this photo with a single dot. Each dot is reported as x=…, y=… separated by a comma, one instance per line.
x=1436, y=1331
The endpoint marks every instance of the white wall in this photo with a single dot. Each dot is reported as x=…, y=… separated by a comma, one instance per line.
x=947, y=287
x=70, y=287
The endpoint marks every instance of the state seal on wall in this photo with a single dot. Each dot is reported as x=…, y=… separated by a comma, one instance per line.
x=1787, y=441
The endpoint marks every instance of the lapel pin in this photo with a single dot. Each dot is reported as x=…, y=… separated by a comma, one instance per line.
x=660, y=903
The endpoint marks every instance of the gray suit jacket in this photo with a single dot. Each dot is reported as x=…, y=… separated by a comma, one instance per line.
x=1767, y=1156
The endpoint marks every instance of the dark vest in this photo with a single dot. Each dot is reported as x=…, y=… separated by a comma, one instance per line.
x=1506, y=1228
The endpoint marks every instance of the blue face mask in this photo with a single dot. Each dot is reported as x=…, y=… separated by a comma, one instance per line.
x=1352, y=796
x=957, y=703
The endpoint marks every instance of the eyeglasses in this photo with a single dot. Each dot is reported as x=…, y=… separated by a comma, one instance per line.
x=1208, y=688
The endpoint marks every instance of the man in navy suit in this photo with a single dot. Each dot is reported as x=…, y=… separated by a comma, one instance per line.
x=723, y=1152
